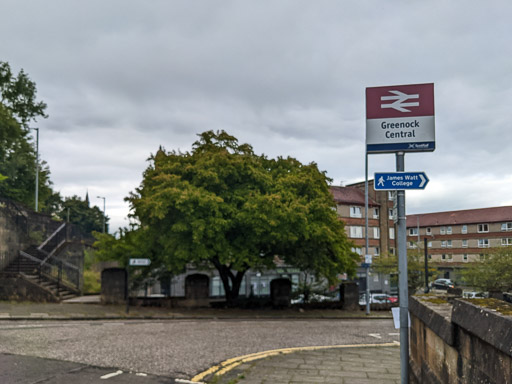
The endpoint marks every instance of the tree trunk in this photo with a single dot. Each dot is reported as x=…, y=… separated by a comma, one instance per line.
x=230, y=282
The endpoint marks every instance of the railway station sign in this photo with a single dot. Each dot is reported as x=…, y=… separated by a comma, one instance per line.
x=400, y=118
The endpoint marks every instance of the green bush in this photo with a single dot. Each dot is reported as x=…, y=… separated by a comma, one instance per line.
x=92, y=282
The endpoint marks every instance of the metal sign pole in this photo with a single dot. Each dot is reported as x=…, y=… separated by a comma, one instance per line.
x=127, y=289
x=402, y=277
x=366, y=236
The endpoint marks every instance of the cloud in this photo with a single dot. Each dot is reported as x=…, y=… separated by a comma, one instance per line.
x=122, y=78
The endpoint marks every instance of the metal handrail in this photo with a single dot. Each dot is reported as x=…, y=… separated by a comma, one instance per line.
x=51, y=236
x=58, y=264
x=28, y=256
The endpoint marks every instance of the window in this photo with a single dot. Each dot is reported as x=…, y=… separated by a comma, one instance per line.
x=429, y=244
x=506, y=242
x=449, y=243
x=465, y=257
x=392, y=233
x=376, y=213
x=430, y=257
x=443, y=244
x=506, y=227
x=464, y=243
x=359, y=251
x=376, y=232
x=429, y=231
x=413, y=231
x=449, y=230
x=464, y=229
x=447, y=256
x=412, y=244
x=392, y=250
x=443, y=230
x=483, y=228
x=356, y=232
x=391, y=195
x=483, y=243
x=377, y=251
x=355, y=212
x=391, y=214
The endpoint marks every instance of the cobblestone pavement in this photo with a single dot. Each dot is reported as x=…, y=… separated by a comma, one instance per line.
x=351, y=365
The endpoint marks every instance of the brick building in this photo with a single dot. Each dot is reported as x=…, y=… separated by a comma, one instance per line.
x=455, y=238
x=381, y=229
x=350, y=206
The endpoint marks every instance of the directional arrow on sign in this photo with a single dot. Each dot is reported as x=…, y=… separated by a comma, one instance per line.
x=392, y=181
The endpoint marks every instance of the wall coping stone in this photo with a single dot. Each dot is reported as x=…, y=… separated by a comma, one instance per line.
x=486, y=323
x=436, y=314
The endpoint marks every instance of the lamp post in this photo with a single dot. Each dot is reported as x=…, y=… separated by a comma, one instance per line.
x=101, y=197
x=37, y=169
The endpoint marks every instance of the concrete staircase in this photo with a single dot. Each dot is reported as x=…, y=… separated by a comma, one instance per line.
x=41, y=267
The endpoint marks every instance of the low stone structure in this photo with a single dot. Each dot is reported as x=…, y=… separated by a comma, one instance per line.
x=113, y=286
x=467, y=341
x=280, y=292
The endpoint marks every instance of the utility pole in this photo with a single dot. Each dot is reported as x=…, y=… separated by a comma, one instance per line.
x=101, y=197
x=426, y=265
x=37, y=170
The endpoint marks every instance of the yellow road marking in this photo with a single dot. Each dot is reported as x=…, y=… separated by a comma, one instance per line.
x=234, y=362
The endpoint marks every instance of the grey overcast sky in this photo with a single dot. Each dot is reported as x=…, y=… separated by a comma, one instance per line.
x=123, y=77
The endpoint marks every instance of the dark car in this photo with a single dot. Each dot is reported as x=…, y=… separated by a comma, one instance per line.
x=443, y=284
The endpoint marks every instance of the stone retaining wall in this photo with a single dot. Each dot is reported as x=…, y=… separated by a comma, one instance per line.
x=460, y=342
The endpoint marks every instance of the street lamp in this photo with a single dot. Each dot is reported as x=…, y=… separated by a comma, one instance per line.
x=37, y=169
x=101, y=197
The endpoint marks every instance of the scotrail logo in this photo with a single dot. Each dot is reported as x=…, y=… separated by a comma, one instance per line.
x=399, y=101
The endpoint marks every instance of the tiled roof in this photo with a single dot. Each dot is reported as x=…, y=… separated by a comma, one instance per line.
x=351, y=195
x=468, y=216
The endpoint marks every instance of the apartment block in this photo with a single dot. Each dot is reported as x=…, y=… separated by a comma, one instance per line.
x=455, y=238
x=350, y=205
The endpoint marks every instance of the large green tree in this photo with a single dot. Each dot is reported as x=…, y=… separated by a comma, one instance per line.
x=492, y=273
x=222, y=205
x=80, y=213
x=19, y=107
x=18, y=96
x=388, y=264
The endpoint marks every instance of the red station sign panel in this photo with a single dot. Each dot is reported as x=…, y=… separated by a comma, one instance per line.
x=400, y=118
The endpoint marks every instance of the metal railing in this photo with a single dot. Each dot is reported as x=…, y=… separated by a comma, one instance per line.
x=54, y=241
x=53, y=269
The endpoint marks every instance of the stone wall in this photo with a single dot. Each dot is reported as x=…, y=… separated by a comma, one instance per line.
x=20, y=228
x=16, y=288
x=460, y=342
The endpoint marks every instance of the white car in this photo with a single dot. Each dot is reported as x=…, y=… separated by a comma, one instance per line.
x=475, y=295
x=375, y=298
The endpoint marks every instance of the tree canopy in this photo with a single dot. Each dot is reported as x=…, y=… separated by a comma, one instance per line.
x=388, y=265
x=18, y=107
x=492, y=273
x=88, y=218
x=18, y=96
x=222, y=205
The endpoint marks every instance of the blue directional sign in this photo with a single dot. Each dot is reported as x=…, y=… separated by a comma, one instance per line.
x=392, y=181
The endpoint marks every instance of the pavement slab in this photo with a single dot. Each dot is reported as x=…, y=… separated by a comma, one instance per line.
x=350, y=365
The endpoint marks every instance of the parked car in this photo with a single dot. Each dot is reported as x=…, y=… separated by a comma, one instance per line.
x=378, y=298
x=475, y=295
x=443, y=284
x=313, y=298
